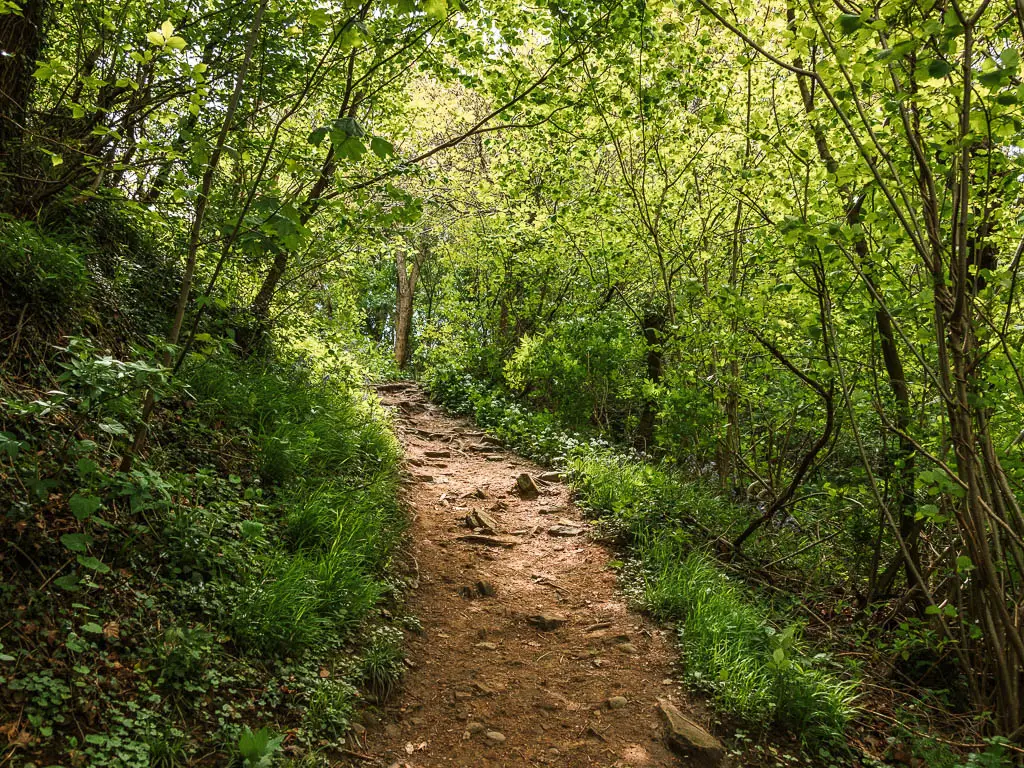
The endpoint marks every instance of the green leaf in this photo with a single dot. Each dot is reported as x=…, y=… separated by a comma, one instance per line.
x=76, y=542
x=381, y=147
x=83, y=507
x=177, y=43
x=319, y=18
x=317, y=136
x=938, y=68
x=69, y=583
x=436, y=9
x=93, y=628
x=850, y=23
x=349, y=126
x=964, y=564
x=351, y=148
x=90, y=562
x=155, y=38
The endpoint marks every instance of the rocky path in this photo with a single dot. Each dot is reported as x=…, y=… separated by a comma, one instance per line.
x=528, y=655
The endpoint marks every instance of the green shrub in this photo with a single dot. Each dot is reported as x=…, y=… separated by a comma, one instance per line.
x=330, y=708
x=39, y=270
x=383, y=662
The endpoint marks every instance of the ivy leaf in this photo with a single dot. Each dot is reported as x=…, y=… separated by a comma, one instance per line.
x=83, y=507
x=850, y=23
x=93, y=564
x=76, y=542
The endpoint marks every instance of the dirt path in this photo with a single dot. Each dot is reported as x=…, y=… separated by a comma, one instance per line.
x=528, y=654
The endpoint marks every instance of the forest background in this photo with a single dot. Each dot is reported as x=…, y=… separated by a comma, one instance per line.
x=747, y=272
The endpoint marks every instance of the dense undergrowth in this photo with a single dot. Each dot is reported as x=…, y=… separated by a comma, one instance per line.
x=220, y=603
x=746, y=646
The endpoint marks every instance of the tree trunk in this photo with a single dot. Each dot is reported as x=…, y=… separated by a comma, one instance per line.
x=405, y=290
x=22, y=38
x=653, y=329
x=202, y=201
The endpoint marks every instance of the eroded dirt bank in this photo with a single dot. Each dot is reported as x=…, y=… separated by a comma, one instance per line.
x=528, y=655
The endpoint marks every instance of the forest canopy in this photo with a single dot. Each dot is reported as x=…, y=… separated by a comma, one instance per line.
x=763, y=256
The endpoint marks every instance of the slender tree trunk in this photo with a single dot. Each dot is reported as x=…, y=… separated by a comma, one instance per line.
x=653, y=329
x=202, y=201
x=405, y=291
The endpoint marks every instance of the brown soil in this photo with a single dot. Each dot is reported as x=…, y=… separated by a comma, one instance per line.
x=480, y=665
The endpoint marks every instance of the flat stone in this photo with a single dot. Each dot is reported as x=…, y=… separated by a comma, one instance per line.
x=617, y=702
x=487, y=541
x=549, y=477
x=689, y=740
x=481, y=520
x=484, y=448
x=527, y=487
x=476, y=727
x=438, y=454
x=487, y=646
x=627, y=648
x=546, y=622
x=564, y=530
x=495, y=737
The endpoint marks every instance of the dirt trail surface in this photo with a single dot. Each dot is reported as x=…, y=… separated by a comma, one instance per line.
x=528, y=655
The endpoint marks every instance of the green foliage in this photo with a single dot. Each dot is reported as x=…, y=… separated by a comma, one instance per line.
x=231, y=588
x=382, y=664
x=730, y=644
x=259, y=747
x=39, y=270
x=731, y=648
x=330, y=708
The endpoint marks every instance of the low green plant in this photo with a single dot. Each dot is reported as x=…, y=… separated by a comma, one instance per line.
x=258, y=748
x=383, y=662
x=330, y=708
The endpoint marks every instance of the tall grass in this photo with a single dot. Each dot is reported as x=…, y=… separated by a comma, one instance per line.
x=731, y=647
x=329, y=470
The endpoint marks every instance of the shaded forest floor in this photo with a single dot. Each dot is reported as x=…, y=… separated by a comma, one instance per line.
x=528, y=655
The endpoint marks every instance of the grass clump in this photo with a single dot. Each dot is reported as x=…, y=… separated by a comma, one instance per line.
x=383, y=662
x=732, y=649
